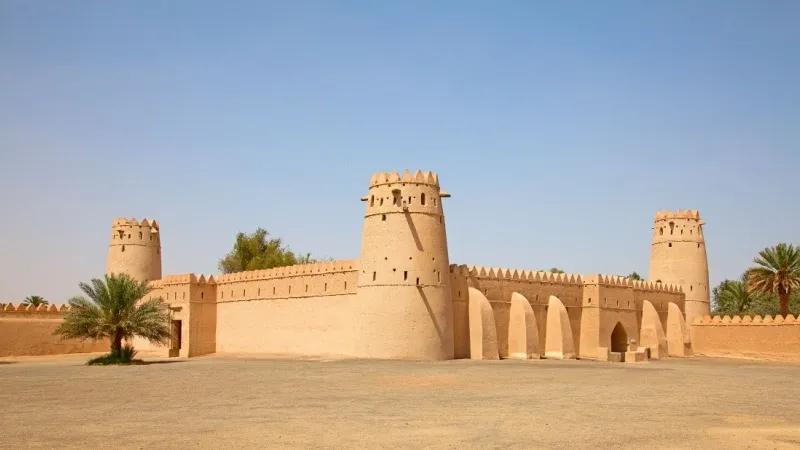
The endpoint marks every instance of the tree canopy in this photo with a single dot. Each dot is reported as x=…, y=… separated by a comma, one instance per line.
x=777, y=271
x=635, y=276
x=758, y=290
x=258, y=251
x=556, y=270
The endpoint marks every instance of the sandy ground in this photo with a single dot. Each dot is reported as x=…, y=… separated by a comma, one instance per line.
x=247, y=402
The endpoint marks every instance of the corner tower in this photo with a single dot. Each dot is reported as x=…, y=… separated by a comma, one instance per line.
x=678, y=256
x=135, y=248
x=403, y=284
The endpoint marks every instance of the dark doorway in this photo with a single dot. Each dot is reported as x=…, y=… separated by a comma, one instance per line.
x=619, y=339
x=175, y=345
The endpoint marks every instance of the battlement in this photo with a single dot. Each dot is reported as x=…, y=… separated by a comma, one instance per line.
x=680, y=214
x=746, y=320
x=132, y=232
x=124, y=222
x=290, y=271
x=419, y=177
x=30, y=309
x=187, y=278
x=641, y=285
x=515, y=274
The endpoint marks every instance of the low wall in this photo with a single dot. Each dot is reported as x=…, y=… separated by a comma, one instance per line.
x=773, y=338
x=26, y=331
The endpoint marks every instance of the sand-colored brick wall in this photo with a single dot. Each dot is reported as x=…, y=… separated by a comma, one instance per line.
x=609, y=300
x=26, y=331
x=497, y=284
x=769, y=337
x=192, y=299
x=296, y=310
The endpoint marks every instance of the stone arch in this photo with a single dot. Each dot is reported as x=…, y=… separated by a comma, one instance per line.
x=482, y=329
x=679, y=341
x=558, y=334
x=619, y=339
x=523, y=335
x=652, y=333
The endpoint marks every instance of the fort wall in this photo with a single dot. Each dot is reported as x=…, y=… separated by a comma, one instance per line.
x=192, y=301
x=307, y=310
x=769, y=337
x=28, y=331
x=594, y=304
x=611, y=301
x=497, y=284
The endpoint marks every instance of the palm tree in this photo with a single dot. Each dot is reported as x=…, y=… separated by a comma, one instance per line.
x=731, y=297
x=777, y=271
x=111, y=312
x=35, y=300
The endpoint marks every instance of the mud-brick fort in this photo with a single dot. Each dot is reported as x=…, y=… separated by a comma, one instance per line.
x=404, y=299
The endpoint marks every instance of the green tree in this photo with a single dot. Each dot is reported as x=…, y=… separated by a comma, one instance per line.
x=35, y=300
x=777, y=271
x=731, y=297
x=257, y=251
x=112, y=311
x=556, y=270
x=635, y=276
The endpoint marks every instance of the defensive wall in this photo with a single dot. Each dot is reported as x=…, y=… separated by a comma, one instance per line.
x=763, y=338
x=26, y=330
x=306, y=309
x=594, y=304
x=193, y=314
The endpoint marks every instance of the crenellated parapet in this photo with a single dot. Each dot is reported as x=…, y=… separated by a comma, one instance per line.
x=301, y=280
x=679, y=214
x=188, y=278
x=746, y=320
x=499, y=273
x=23, y=310
x=290, y=271
x=135, y=248
x=418, y=177
x=499, y=283
x=133, y=232
x=641, y=285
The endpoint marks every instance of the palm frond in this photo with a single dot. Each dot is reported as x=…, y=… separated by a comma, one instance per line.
x=111, y=310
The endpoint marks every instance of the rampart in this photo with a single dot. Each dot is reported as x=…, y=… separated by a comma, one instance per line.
x=594, y=303
x=307, y=309
x=28, y=331
x=762, y=338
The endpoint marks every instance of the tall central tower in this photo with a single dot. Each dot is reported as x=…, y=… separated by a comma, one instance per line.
x=403, y=284
x=678, y=256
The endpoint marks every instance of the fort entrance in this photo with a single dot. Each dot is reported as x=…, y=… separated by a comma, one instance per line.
x=619, y=339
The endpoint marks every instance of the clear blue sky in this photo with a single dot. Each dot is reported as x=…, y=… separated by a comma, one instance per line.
x=560, y=128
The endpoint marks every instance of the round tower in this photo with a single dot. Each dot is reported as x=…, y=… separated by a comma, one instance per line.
x=403, y=282
x=135, y=249
x=678, y=256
